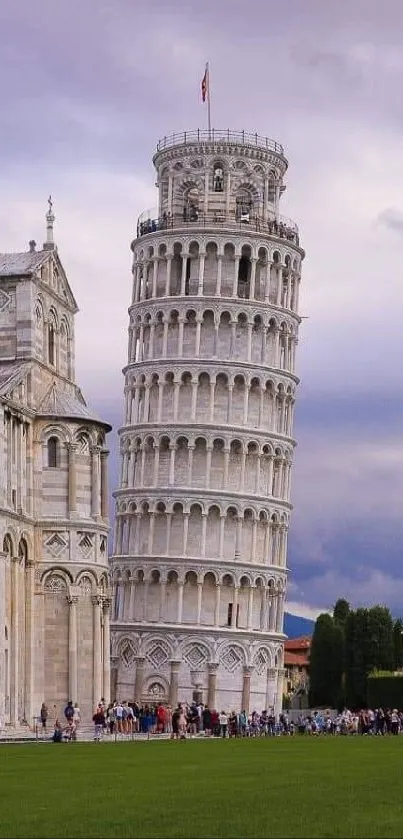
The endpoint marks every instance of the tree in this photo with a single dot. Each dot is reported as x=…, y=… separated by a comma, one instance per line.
x=325, y=662
x=368, y=646
x=340, y=612
x=398, y=644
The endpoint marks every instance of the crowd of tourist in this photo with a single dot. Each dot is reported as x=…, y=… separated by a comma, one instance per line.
x=122, y=719
x=273, y=227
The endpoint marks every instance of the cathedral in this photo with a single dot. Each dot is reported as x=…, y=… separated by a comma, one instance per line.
x=54, y=592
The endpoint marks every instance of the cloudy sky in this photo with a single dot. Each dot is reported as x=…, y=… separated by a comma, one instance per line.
x=88, y=87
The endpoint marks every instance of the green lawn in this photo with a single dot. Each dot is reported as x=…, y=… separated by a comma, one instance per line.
x=280, y=787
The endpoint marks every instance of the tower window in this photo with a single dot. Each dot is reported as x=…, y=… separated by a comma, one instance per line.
x=51, y=344
x=218, y=179
x=229, y=614
x=53, y=451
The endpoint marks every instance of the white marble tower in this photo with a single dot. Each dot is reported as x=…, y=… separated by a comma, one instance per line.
x=203, y=506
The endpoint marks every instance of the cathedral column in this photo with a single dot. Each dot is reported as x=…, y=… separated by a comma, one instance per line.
x=95, y=452
x=104, y=484
x=174, y=684
x=247, y=672
x=212, y=685
x=97, y=651
x=163, y=592
x=139, y=680
x=72, y=601
x=14, y=643
x=114, y=677
x=106, y=681
x=72, y=501
x=29, y=638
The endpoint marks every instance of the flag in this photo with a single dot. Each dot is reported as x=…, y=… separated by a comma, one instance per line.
x=204, y=84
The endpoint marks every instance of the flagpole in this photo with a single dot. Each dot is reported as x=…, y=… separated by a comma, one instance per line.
x=208, y=100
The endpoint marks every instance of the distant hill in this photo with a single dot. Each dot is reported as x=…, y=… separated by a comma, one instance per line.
x=294, y=625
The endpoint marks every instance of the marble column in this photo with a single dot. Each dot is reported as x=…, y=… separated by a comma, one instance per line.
x=72, y=601
x=247, y=672
x=114, y=676
x=174, y=684
x=271, y=688
x=95, y=452
x=104, y=484
x=29, y=639
x=139, y=680
x=14, y=641
x=106, y=680
x=72, y=499
x=97, y=651
x=212, y=685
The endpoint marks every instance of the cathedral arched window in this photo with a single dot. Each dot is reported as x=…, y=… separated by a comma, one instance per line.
x=51, y=344
x=53, y=452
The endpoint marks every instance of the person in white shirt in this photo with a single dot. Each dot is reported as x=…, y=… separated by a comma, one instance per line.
x=223, y=720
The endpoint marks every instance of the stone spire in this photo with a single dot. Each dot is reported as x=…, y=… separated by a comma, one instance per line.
x=49, y=244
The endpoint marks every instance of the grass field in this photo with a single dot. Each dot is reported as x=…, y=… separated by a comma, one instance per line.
x=280, y=787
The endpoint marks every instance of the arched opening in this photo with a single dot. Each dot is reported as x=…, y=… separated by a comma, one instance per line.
x=244, y=272
x=244, y=206
x=191, y=204
x=53, y=453
x=218, y=178
x=51, y=344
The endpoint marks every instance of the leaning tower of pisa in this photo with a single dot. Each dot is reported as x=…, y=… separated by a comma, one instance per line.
x=203, y=505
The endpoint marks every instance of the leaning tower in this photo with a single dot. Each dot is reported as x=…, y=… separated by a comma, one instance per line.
x=203, y=505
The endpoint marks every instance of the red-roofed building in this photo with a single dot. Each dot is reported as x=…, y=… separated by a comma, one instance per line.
x=296, y=662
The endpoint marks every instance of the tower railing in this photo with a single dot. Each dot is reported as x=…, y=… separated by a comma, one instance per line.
x=215, y=135
x=283, y=227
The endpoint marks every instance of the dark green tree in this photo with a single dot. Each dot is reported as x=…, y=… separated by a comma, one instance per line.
x=340, y=612
x=325, y=663
x=398, y=644
x=368, y=646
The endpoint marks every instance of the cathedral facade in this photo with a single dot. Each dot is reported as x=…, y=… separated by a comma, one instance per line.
x=54, y=593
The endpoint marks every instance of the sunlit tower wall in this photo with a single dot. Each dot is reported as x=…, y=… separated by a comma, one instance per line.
x=203, y=505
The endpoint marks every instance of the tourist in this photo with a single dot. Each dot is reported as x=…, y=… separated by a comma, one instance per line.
x=223, y=719
x=69, y=711
x=99, y=723
x=206, y=716
x=175, y=724
x=183, y=723
x=44, y=716
x=57, y=733
x=76, y=715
